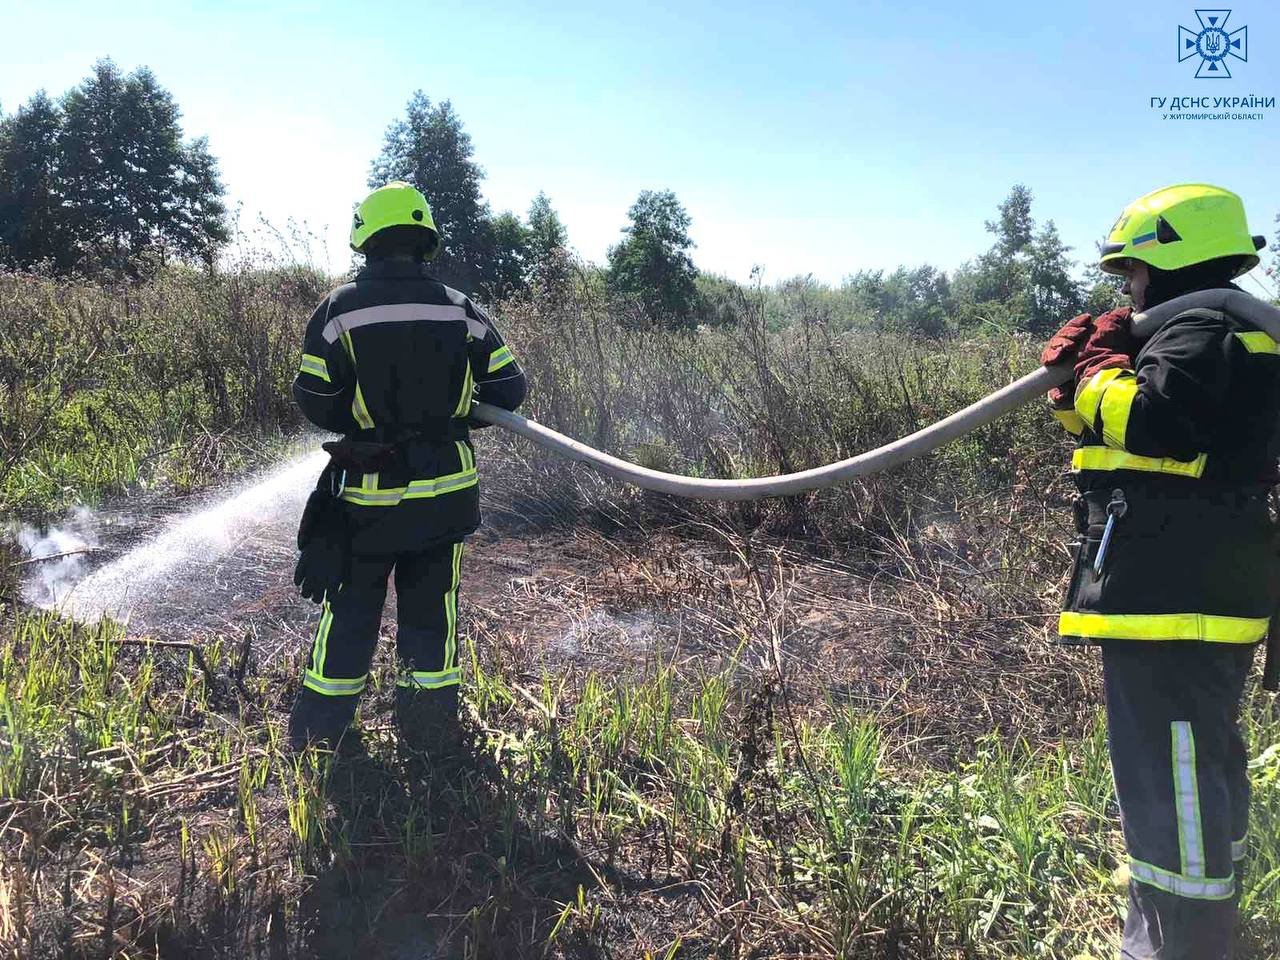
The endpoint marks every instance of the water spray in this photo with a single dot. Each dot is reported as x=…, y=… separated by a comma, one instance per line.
x=155, y=576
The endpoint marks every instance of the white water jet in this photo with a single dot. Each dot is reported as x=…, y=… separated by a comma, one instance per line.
x=180, y=566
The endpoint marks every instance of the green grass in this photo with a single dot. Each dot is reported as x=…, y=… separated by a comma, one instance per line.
x=786, y=831
x=104, y=385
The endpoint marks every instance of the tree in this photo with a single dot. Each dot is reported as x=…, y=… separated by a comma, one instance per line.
x=1002, y=274
x=430, y=149
x=548, y=245
x=1014, y=227
x=1024, y=281
x=1053, y=294
x=32, y=221
x=909, y=300
x=1102, y=290
x=129, y=182
x=508, y=257
x=652, y=265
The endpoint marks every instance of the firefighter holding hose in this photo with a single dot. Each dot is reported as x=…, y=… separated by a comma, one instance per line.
x=393, y=361
x=1175, y=572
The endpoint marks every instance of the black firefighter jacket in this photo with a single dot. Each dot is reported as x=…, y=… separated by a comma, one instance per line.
x=396, y=356
x=1177, y=455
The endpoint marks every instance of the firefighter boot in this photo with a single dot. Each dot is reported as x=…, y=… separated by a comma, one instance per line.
x=321, y=721
x=428, y=721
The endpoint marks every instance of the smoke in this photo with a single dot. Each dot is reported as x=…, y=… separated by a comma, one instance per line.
x=48, y=581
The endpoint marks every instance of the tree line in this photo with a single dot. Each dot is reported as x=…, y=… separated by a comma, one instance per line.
x=103, y=179
x=501, y=254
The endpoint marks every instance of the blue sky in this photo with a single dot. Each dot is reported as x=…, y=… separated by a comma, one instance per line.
x=803, y=137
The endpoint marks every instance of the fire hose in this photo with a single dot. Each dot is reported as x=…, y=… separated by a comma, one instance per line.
x=1261, y=314
x=1258, y=312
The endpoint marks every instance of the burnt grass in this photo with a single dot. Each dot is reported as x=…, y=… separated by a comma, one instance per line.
x=472, y=856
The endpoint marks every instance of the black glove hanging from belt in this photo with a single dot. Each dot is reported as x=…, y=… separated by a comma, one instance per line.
x=324, y=536
x=324, y=540
x=361, y=456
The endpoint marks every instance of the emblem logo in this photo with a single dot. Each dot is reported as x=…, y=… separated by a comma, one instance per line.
x=1213, y=44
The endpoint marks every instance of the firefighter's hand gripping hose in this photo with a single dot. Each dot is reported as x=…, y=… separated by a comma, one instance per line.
x=1004, y=400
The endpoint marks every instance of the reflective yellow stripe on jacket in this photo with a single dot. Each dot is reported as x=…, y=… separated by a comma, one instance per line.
x=315, y=366
x=500, y=358
x=1108, y=396
x=1162, y=626
x=1071, y=421
x=463, y=408
x=370, y=494
x=1256, y=341
x=1107, y=458
x=358, y=409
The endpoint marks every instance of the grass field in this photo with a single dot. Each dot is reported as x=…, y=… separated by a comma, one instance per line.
x=832, y=726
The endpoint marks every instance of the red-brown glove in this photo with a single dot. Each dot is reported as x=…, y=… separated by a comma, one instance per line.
x=1064, y=344
x=1111, y=344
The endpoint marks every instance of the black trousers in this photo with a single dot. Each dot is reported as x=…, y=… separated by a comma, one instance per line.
x=427, y=623
x=1180, y=771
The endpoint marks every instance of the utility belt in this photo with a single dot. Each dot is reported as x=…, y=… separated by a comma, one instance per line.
x=382, y=448
x=1098, y=506
x=441, y=428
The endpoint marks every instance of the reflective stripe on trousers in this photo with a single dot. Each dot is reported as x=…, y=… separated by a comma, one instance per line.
x=314, y=677
x=1182, y=784
x=449, y=672
x=427, y=584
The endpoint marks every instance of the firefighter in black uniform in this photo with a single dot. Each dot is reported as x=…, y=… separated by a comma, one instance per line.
x=1174, y=575
x=393, y=361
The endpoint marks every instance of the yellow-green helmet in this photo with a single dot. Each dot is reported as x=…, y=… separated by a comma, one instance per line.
x=1178, y=226
x=398, y=204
